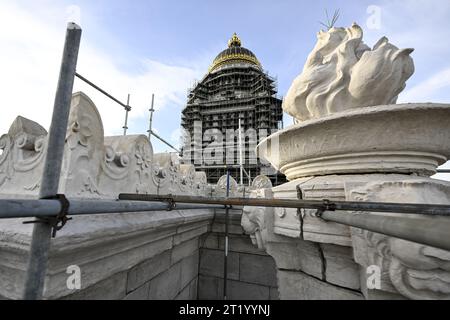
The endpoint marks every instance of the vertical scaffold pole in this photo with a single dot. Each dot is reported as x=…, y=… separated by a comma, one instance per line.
x=40, y=241
x=241, y=156
x=150, y=124
x=127, y=110
x=225, y=263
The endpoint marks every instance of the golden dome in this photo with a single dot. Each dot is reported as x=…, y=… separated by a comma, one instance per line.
x=234, y=54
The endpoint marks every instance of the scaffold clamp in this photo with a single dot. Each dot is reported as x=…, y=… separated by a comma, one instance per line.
x=56, y=222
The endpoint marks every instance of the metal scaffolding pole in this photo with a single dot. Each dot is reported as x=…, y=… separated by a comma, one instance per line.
x=127, y=110
x=241, y=156
x=421, y=229
x=227, y=221
x=79, y=76
x=409, y=208
x=28, y=208
x=150, y=124
x=164, y=141
x=40, y=241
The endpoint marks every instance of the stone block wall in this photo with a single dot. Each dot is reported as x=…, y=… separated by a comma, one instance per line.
x=124, y=256
x=143, y=256
x=170, y=275
x=251, y=272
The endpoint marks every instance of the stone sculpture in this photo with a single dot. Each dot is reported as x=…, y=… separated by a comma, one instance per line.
x=343, y=73
x=352, y=142
x=416, y=271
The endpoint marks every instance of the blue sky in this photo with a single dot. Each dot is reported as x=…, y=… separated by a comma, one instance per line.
x=141, y=47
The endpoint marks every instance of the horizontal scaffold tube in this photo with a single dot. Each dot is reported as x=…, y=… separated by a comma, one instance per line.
x=411, y=208
x=420, y=229
x=25, y=208
x=429, y=230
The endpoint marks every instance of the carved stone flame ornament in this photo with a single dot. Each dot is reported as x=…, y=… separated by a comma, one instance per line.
x=343, y=73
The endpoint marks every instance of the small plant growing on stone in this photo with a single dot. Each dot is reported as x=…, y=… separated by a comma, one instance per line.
x=330, y=23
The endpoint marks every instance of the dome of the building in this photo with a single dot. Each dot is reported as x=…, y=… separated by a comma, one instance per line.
x=234, y=54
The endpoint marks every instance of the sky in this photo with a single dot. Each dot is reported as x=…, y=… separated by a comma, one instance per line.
x=142, y=47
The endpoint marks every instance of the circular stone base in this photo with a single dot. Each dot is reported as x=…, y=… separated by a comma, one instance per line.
x=407, y=138
x=423, y=164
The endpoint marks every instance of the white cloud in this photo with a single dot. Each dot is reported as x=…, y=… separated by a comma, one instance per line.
x=422, y=25
x=29, y=62
x=429, y=89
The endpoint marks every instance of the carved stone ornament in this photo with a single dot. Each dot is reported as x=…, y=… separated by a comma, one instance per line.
x=414, y=270
x=94, y=166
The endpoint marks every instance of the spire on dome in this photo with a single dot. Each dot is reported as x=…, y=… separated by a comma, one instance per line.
x=234, y=41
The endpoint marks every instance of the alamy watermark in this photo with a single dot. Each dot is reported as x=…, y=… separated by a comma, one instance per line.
x=374, y=20
x=225, y=147
x=373, y=273
x=73, y=14
x=73, y=281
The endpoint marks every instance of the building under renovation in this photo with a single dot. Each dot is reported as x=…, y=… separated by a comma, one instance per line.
x=235, y=94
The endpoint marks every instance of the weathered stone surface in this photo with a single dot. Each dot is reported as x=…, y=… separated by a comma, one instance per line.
x=274, y=294
x=304, y=225
x=184, y=250
x=232, y=229
x=241, y=244
x=257, y=270
x=299, y=286
x=221, y=187
x=254, y=219
x=189, y=269
x=190, y=234
x=297, y=255
x=193, y=292
x=238, y=290
x=189, y=292
x=210, y=241
x=210, y=288
x=340, y=268
x=167, y=285
x=12, y=282
x=414, y=270
x=140, y=293
x=212, y=261
x=147, y=270
x=184, y=294
x=113, y=288
x=97, y=270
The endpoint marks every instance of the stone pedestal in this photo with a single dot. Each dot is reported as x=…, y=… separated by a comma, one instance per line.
x=378, y=154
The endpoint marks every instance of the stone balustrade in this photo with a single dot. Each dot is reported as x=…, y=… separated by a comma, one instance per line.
x=129, y=255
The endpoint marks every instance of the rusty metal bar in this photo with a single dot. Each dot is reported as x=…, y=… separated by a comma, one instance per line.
x=409, y=208
x=432, y=231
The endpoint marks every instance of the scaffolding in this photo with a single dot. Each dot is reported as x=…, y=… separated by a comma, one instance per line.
x=232, y=94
